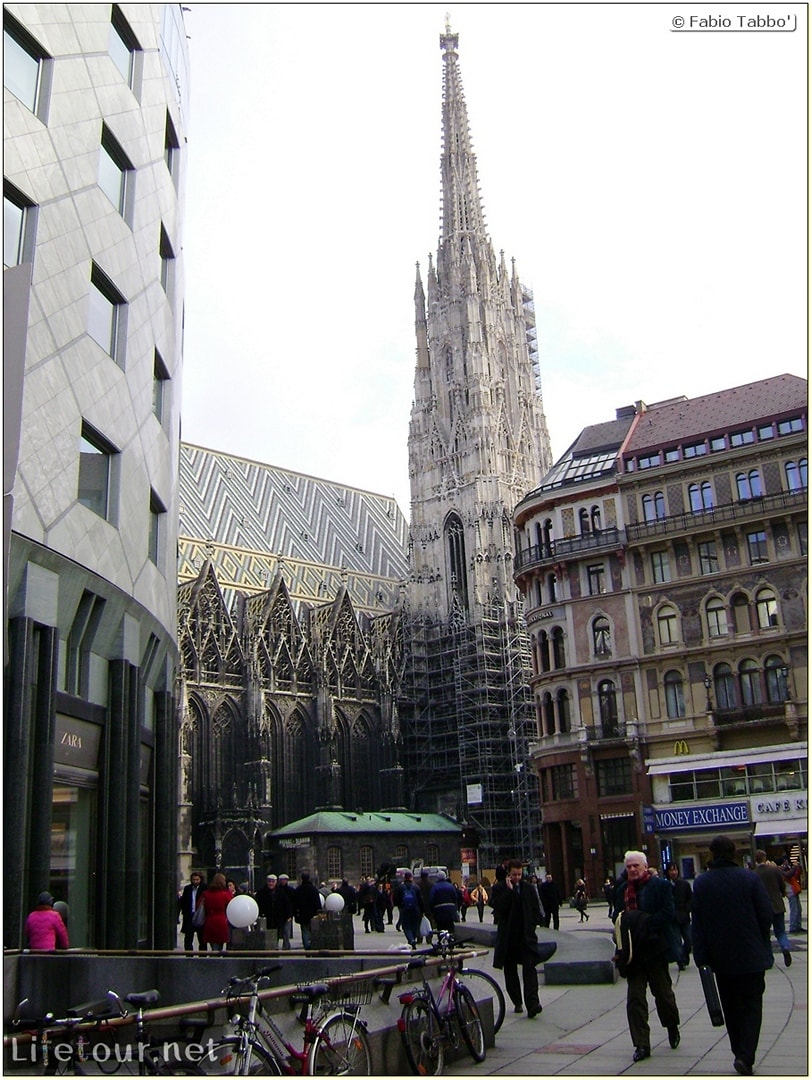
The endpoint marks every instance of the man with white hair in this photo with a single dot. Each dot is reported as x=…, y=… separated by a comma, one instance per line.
x=656, y=942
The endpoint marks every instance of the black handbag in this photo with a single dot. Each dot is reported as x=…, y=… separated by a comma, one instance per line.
x=712, y=996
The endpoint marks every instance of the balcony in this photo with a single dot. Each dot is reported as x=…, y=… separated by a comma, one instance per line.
x=747, y=714
x=605, y=732
x=561, y=550
x=701, y=520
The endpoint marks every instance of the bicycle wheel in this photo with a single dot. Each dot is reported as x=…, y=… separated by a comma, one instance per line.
x=470, y=1022
x=483, y=986
x=227, y=1057
x=421, y=1038
x=341, y=1048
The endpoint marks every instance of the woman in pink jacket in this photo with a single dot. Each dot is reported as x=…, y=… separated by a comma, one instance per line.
x=44, y=927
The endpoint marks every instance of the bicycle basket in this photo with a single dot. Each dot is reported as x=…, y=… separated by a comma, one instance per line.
x=351, y=993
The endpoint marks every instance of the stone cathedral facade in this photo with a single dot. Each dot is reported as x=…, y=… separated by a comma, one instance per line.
x=333, y=657
x=478, y=443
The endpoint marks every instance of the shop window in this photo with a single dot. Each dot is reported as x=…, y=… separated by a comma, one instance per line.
x=564, y=782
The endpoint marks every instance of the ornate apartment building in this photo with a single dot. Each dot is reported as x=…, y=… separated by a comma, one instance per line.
x=663, y=562
x=477, y=443
x=95, y=114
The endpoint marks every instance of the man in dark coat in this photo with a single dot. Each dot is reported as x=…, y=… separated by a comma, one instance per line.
x=517, y=912
x=683, y=898
x=350, y=896
x=659, y=944
x=732, y=918
x=443, y=903
x=187, y=903
x=551, y=900
x=306, y=905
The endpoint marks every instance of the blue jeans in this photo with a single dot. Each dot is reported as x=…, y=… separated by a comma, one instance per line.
x=794, y=911
x=780, y=932
x=306, y=936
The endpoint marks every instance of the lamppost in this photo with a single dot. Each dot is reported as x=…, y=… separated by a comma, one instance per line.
x=785, y=677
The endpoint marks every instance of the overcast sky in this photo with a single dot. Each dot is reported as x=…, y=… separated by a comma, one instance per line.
x=650, y=183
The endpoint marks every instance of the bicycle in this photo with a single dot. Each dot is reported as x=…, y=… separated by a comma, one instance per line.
x=428, y=1023
x=89, y=1039
x=483, y=986
x=335, y=1038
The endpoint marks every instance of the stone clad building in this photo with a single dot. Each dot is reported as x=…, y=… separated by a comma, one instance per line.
x=94, y=167
x=664, y=565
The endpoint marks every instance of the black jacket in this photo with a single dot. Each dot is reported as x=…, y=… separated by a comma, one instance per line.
x=732, y=917
x=530, y=911
x=185, y=906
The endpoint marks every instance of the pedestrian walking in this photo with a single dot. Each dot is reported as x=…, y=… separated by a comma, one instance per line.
x=44, y=928
x=215, y=900
x=307, y=903
x=793, y=879
x=443, y=903
x=285, y=901
x=409, y=903
x=732, y=917
x=609, y=894
x=683, y=896
x=188, y=900
x=656, y=943
x=581, y=898
x=551, y=900
x=517, y=912
x=479, y=897
x=773, y=881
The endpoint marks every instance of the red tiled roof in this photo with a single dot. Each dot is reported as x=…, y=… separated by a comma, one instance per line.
x=721, y=411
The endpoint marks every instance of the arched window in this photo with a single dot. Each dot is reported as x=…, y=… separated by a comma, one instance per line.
x=552, y=588
x=548, y=714
x=796, y=475
x=559, y=659
x=750, y=682
x=563, y=702
x=674, y=698
x=601, y=636
x=717, y=617
x=700, y=497
x=724, y=686
x=774, y=678
x=766, y=609
x=449, y=363
x=654, y=507
x=596, y=518
x=607, y=706
x=741, y=613
x=457, y=563
x=544, y=649
x=668, y=625
x=548, y=537
x=748, y=485
x=583, y=519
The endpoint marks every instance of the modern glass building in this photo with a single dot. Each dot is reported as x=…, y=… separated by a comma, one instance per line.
x=95, y=116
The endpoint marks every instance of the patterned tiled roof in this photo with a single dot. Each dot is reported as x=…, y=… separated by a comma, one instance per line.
x=253, y=519
x=721, y=411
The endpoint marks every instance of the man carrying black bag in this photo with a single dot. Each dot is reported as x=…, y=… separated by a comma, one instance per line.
x=732, y=919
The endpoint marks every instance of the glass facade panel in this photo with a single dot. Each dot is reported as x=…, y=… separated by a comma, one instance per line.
x=73, y=855
x=20, y=70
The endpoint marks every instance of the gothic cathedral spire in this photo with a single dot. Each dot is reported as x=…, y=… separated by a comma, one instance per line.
x=478, y=439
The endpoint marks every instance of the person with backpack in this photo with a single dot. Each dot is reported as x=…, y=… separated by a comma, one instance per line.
x=409, y=903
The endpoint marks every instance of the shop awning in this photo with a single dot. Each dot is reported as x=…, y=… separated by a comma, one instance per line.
x=780, y=827
x=689, y=762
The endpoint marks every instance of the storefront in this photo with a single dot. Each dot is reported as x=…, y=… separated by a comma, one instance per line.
x=756, y=796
